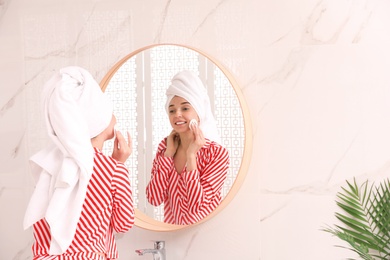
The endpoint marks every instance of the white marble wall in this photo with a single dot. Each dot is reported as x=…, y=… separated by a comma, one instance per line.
x=315, y=75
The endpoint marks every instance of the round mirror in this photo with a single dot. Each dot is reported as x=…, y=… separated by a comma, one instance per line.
x=137, y=84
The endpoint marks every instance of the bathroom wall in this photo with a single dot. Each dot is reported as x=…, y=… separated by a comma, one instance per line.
x=315, y=76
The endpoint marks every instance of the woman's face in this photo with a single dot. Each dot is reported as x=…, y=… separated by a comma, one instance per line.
x=180, y=113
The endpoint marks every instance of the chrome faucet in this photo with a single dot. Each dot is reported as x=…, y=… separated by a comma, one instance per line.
x=158, y=251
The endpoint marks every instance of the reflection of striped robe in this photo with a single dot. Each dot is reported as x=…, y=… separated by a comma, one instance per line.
x=108, y=207
x=190, y=196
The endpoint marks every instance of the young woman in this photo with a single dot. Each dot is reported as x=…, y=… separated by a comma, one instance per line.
x=189, y=167
x=81, y=196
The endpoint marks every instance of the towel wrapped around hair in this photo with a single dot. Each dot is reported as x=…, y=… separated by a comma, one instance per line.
x=187, y=84
x=75, y=110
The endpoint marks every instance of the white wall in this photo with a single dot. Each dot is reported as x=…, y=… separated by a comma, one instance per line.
x=315, y=75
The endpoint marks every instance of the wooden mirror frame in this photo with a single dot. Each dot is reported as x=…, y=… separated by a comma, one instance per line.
x=144, y=221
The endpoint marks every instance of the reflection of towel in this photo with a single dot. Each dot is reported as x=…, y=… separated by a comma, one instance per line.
x=75, y=110
x=187, y=85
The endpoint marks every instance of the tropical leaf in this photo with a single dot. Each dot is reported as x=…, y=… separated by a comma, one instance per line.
x=365, y=219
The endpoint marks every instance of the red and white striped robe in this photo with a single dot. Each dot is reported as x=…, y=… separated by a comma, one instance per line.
x=189, y=196
x=108, y=207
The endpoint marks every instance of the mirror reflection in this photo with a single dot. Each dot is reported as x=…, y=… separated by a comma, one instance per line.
x=138, y=85
x=190, y=165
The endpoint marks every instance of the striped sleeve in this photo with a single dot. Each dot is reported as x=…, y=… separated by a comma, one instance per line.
x=123, y=210
x=203, y=186
x=156, y=190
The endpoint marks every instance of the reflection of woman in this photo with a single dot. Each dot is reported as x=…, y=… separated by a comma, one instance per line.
x=81, y=196
x=189, y=168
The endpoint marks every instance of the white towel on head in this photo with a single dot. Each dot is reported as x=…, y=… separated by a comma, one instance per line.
x=187, y=85
x=75, y=110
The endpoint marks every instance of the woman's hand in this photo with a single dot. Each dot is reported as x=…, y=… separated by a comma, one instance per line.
x=197, y=142
x=173, y=141
x=122, y=150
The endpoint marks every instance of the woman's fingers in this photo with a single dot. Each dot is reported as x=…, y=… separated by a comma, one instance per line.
x=122, y=149
x=198, y=134
x=116, y=139
x=172, y=144
x=198, y=140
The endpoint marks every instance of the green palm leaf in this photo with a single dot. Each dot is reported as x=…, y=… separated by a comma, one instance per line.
x=365, y=219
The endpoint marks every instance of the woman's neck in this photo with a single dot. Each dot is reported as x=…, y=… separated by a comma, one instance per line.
x=185, y=139
x=97, y=142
